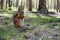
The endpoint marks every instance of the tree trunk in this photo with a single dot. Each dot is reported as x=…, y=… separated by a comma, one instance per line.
x=17, y=1
x=57, y=5
x=30, y=5
x=41, y=4
x=10, y=4
x=2, y=4
x=6, y=3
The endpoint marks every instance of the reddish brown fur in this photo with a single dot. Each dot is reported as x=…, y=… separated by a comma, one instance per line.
x=18, y=17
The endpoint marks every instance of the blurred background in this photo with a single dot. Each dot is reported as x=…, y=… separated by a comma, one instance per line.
x=51, y=5
x=41, y=17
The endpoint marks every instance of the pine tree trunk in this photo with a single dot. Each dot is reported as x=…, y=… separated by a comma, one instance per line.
x=30, y=5
x=17, y=1
x=2, y=4
x=57, y=4
x=10, y=4
x=41, y=4
x=6, y=3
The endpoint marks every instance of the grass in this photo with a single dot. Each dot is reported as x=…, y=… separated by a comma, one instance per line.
x=3, y=10
x=8, y=30
x=40, y=18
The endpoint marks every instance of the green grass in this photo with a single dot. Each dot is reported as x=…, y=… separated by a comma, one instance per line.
x=40, y=18
x=4, y=10
x=8, y=30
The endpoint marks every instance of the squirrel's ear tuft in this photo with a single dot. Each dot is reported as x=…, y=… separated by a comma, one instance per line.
x=20, y=8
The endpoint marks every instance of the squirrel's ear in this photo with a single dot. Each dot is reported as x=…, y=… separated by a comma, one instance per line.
x=19, y=7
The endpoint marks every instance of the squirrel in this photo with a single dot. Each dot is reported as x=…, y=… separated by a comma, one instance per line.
x=18, y=18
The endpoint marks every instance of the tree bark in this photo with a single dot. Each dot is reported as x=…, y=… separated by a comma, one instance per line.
x=6, y=3
x=30, y=5
x=2, y=4
x=17, y=1
x=57, y=5
x=41, y=4
x=10, y=4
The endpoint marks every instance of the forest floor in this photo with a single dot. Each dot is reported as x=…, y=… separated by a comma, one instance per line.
x=41, y=27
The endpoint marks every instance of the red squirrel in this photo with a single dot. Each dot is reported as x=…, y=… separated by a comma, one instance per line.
x=18, y=18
